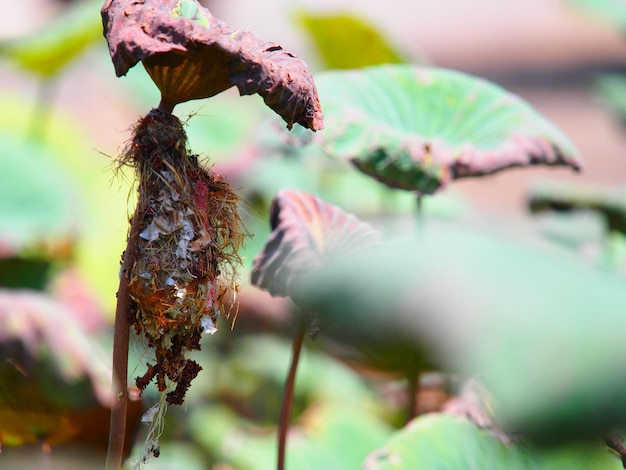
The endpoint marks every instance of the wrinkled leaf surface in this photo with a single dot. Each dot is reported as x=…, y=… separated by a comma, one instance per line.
x=190, y=54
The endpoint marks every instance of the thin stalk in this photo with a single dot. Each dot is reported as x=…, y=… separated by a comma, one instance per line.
x=413, y=379
x=413, y=374
x=419, y=214
x=121, y=332
x=285, y=410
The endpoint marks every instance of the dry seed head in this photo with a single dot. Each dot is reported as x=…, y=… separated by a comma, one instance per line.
x=190, y=232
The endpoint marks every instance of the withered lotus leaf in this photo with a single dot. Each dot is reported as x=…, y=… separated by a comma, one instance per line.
x=190, y=54
x=306, y=232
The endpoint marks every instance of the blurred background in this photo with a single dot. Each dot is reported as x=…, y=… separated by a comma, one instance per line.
x=64, y=211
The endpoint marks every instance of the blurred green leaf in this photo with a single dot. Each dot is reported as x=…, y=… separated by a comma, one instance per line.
x=573, y=230
x=612, y=12
x=560, y=196
x=332, y=402
x=417, y=128
x=48, y=51
x=329, y=436
x=37, y=201
x=440, y=442
x=97, y=198
x=31, y=272
x=611, y=89
x=345, y=41
x=524, y=318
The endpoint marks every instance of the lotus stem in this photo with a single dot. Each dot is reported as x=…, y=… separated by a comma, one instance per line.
x=285, y=410
x=119, y=406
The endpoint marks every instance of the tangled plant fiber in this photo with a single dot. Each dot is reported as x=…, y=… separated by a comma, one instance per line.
x=189, y=235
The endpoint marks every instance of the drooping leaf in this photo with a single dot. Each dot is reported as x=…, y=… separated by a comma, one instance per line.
x=443, y=442
x=306, y=231
x=418, y=128
x=608, y=202
x=38, y=206
x=61, y=40
x=49, y=368
x=190, y=54
x=345, y=41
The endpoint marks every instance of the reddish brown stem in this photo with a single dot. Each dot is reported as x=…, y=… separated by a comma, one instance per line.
x=413, y=378
x=285, y=409
x=121, y=332
x=166, y=105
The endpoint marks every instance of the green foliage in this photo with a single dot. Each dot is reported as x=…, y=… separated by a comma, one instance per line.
x=440, y=442
x=49, y=51
x=344, y=41
x=610, y=203
x=417, y=128
x=524, y=318
x=612, y=12
x=332, y=402
x=611, y=89
x=190, y=9
x=89, y=202
x=540, y=325
x=37, y=203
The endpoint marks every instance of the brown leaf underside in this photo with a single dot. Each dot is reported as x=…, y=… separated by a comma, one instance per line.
x=305, y=232
x=143, y=30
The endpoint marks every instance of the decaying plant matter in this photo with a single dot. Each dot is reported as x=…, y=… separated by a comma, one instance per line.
x=187, y=249
x=185, y=233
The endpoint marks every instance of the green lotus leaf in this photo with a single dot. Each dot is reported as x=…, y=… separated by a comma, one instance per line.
x=345, y=41
x=330, y=436
x=62, y=40
x=37, y=203
x=417, y=128
x=523, y=317
x=444, y=442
